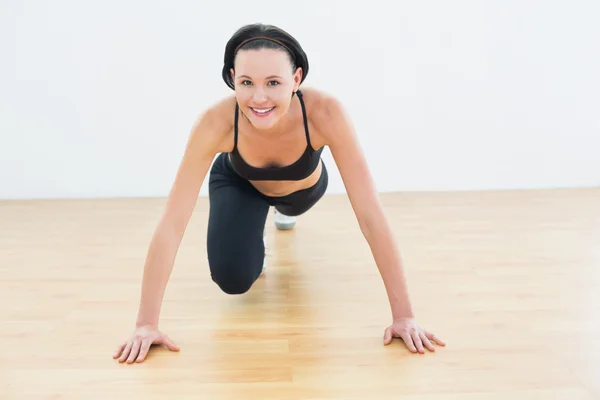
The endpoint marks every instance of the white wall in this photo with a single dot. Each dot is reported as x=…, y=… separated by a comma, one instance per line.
x=97, y=98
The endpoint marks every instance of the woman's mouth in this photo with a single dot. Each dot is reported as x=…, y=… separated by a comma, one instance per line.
x=262, y=112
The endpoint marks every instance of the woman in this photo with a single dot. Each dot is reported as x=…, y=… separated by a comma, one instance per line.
x=268, y=139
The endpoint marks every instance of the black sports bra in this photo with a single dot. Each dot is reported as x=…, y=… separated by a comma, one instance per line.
x=300, y=169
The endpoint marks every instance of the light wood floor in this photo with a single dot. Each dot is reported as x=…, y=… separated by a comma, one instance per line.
x=509, y=280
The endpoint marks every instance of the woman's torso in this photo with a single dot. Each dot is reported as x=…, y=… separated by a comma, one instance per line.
x=279, y=149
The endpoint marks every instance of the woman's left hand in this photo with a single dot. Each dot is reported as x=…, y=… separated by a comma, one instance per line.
x=415, y=337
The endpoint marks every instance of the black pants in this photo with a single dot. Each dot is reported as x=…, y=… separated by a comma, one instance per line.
x=236, y=223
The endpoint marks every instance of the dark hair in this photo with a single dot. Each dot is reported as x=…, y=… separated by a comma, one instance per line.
x=261, y=36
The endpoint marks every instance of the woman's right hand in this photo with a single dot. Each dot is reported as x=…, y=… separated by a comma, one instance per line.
x=137, y=346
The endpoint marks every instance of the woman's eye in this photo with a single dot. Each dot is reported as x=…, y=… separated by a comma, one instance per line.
x=248, y=83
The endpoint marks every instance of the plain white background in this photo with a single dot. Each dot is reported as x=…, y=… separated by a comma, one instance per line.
x=97, y=98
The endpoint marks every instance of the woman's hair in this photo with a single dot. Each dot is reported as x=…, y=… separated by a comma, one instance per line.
x=260, y=36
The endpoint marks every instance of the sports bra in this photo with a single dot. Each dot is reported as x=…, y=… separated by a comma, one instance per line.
x=300, y=169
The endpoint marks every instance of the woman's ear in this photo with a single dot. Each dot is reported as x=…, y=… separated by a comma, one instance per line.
x=297, y=78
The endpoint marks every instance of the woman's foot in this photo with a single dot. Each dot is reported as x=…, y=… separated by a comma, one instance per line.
x=284, y=222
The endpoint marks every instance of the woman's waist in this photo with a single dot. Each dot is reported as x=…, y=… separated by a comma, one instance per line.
x=284, y=188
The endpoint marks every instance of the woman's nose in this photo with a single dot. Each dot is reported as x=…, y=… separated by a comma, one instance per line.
x=259, y=96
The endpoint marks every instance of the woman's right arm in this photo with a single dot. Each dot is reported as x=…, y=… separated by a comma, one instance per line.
x=200, y=151
x=205, y=141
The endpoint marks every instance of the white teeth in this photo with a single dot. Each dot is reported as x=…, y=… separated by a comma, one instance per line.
x=264, y=110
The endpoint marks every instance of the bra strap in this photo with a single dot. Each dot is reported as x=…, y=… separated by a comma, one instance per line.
x=299, y=93
x=235, y=127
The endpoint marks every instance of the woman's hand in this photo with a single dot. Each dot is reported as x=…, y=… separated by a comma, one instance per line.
x=137, y=346
x=415, y=337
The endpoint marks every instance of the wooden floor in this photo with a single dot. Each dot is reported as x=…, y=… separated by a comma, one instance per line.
x=510, y=280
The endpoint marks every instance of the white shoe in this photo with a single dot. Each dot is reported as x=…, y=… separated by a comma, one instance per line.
x=284, y=222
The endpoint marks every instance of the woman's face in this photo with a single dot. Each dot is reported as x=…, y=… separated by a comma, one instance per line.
x=264, y=83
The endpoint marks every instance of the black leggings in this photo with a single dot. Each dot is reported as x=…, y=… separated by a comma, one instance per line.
x=236, y=223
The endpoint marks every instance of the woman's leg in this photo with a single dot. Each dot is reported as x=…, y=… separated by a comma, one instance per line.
x=236, y=225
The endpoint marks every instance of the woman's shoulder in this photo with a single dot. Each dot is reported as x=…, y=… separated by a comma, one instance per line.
x=320, y=104
x=314, y=98
x=214, y=124
x=221, y=111
x=325, y=111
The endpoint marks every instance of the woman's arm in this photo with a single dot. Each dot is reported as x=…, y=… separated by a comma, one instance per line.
x=365, y=202
x=207, y=138
x=341, y=138
x=203, y=144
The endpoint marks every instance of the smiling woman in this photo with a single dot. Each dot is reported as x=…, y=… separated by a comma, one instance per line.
x=263, y=79
x=268, y=138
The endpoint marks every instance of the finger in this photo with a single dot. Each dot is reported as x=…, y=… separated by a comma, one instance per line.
x=126, y=351
x=387, y=336
x=426, y=342
x=418, y=343
x=119, y=350
x=169, y=343
x=434, y=338
x=144, y=350
x=135, y=350
x=409, y=342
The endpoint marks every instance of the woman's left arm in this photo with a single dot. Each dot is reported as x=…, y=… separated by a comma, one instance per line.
x=364, y=198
